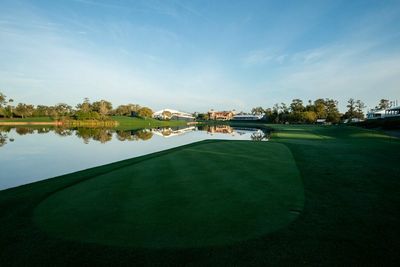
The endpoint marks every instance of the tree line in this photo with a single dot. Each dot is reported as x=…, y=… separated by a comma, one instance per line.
x=98, y=110
x=326, y=109
x=295, y=112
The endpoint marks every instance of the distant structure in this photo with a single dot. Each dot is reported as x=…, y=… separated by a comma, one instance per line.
x=171, y=114
x=170, y=132
x=247, y=117
x=225, y=129
x=392, y=111
x=220, y=115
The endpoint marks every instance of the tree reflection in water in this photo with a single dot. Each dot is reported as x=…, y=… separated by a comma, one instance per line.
x=61, y=131
x=260, y=136
x=3, y=139
x=24, y=130
x=104, y=135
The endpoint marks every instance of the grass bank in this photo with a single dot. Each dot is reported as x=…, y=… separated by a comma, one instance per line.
x=33, y=119
x=313, y=195
x=129, y=123
x=118, y=122
x=29, y=121
x=90, y=123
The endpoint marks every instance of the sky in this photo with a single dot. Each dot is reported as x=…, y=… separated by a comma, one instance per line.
x=199, y=55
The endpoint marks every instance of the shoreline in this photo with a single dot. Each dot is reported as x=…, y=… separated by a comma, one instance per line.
x=12, y=123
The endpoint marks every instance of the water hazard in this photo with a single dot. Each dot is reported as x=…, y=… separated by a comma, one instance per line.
x=29, y=154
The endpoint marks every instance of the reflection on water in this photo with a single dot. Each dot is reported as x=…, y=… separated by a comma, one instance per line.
x=104, y=135
x=43, y=152
x=3, y=139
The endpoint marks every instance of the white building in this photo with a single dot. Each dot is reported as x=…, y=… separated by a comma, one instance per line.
x=247, y=117
x=384, y=113
x=171, y=114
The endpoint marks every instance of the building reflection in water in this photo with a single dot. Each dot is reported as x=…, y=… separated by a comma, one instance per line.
x=104, y=135
x=173, y=131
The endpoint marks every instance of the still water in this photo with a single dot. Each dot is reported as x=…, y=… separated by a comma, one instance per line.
x=32, y=154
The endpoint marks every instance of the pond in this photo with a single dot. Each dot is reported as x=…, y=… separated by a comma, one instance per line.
x=29, y=154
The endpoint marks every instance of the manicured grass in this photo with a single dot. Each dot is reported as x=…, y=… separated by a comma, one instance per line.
x=124, y=122
x=219, y=203
x=33, y=119
x=129, y=123
x=236, y=191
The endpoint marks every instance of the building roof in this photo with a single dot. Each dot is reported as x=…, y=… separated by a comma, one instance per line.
x=173, y=112
x=394, y=108
x=248, y=116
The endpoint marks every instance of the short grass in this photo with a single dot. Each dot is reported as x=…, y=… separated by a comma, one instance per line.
x=169, y=202
x=124, y=122
x=33, y=119
x=129, y=123
x=350, y=182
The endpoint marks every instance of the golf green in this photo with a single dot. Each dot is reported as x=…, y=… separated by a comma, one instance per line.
x=201, y=195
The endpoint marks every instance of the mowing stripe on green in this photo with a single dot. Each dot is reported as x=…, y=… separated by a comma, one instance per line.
x=208, y=194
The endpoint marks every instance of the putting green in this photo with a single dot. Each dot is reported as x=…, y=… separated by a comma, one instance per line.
x=205, y=194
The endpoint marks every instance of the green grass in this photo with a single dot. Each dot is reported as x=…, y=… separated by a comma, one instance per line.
x=180, y=204
x=129, y=123
x=321, y=195
x=33, y=119
x=124, y=122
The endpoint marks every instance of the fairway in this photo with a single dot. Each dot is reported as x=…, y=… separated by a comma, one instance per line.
x=208, y=194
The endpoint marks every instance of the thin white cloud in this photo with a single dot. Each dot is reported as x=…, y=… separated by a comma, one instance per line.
x=259, y=57
x=339, y=74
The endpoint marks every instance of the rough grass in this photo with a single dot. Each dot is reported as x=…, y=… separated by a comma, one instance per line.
x=351, y=185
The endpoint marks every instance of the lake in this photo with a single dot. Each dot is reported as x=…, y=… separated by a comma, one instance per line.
x=29, y=154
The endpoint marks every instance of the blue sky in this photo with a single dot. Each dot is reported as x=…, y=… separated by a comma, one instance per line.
x=196, y=55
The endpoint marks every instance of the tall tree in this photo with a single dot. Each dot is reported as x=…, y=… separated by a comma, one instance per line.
x=63, y=109
x=383, y=104
x=145, y=112
x=296, y=108
x=275, y=113
x=257, y=111
x=41, y=111
x=2, y=100
x=103, y=107
x=351, y=112
x=24, y=110
x=320, y=108
x=355, y=109
x=332, y=111
x=308, y=116
x=284, y=113
x=85, y=106
x=297, y=105
x=359, y=109
x=126, y=110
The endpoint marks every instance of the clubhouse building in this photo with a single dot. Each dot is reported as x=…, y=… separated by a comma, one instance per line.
x=231, y=115
x=384, y=113
x=220, y=115
x=247, y=117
